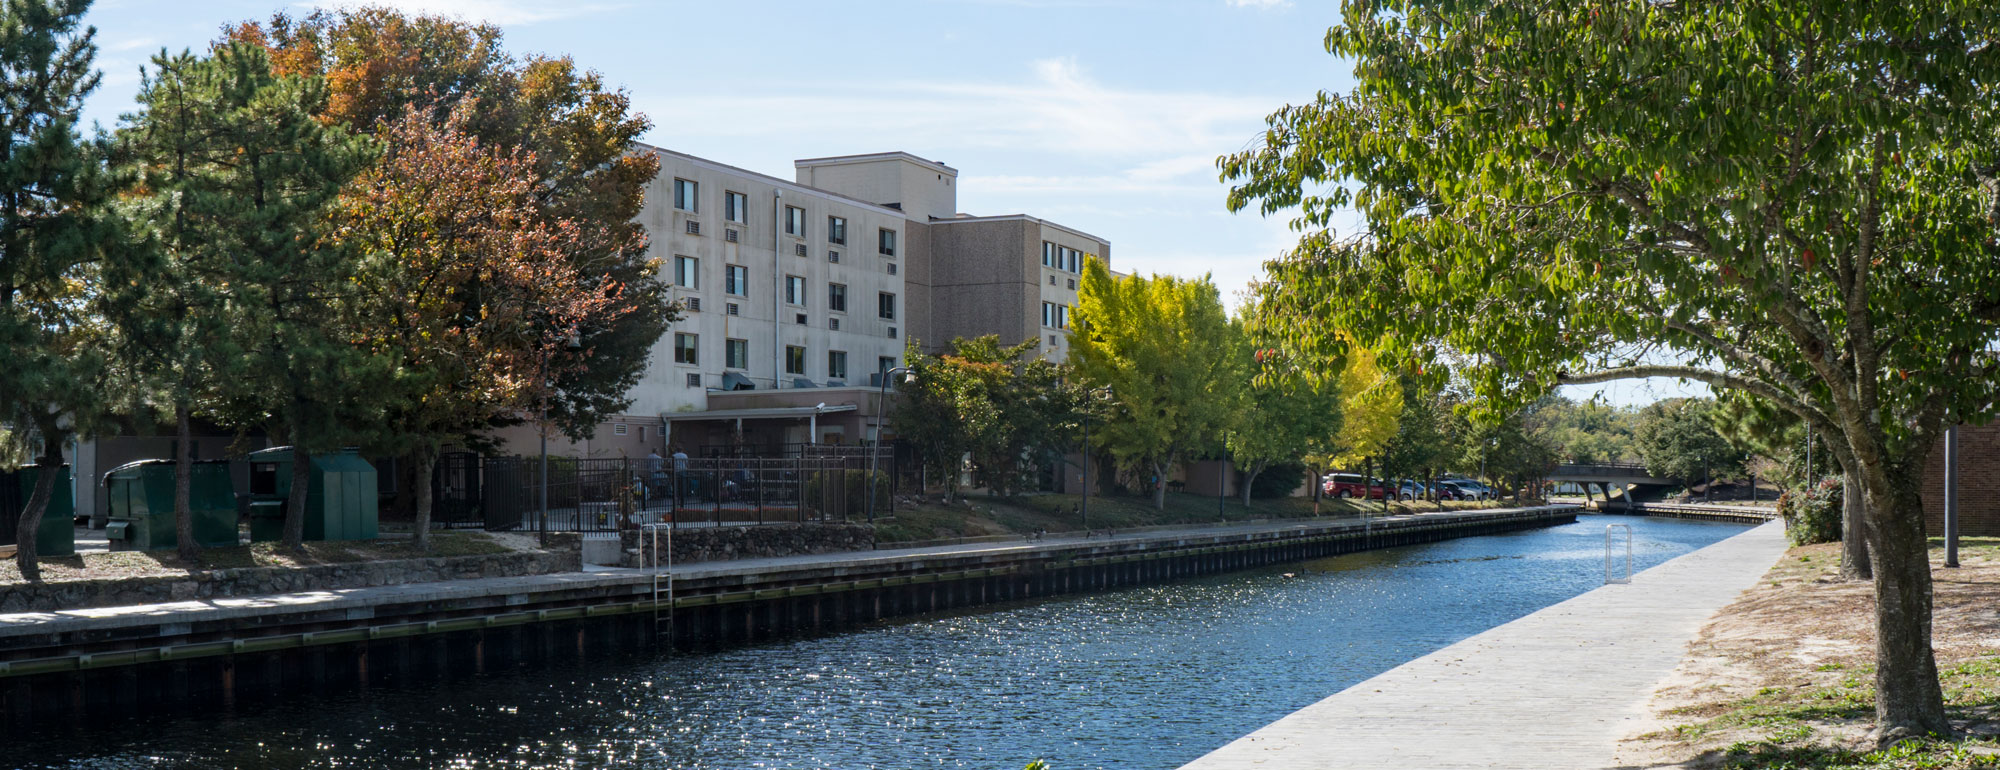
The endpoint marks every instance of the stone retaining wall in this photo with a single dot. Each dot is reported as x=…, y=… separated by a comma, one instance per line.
x=564, y=555
x=693, y=544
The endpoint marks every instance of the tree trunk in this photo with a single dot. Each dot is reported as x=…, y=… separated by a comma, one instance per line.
x=184, y=544
x=1251, y=478
x=25, y=556
x=1159, y=486
x=426, y=462
x=1854, y=531
x=295, y=503
x=1908, y=700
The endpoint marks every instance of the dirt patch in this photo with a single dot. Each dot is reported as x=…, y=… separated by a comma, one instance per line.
x=1783, y=677
x=104, y=565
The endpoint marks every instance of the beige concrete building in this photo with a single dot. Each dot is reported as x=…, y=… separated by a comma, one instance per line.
x=799, y=292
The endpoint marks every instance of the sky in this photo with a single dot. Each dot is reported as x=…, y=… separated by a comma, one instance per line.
x=1106, y=116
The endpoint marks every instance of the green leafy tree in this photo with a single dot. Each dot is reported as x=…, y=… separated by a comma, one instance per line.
x=1289, y=414
x=1796, y=200
x=1424, y=440
x=53, y=232
x=1171, y=358
x=1678, y=441
x=1589, y=431
x=944, y=411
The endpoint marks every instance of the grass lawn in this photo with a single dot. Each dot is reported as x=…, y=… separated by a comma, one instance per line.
x=1784, y=677
x=131, y=564
x=981, y=515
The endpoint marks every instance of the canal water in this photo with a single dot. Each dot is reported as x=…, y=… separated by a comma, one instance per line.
x=1148, y=677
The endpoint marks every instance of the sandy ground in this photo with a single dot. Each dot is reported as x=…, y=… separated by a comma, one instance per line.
x=1803, y=628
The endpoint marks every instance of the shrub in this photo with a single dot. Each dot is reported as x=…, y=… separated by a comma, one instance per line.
x=1278, y=480
x=824, y=492
x=1812, y=515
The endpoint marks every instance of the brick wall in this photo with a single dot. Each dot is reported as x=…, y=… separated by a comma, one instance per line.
x=1978, y=483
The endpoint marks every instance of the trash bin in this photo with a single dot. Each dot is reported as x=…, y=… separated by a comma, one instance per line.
x=141, y=498
x=341, y=496
x=57, y=535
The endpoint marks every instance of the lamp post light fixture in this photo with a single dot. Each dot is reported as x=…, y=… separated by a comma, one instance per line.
x=1102, y=394
x=875, y=452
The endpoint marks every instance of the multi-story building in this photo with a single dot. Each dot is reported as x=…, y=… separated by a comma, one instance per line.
x=797, y=294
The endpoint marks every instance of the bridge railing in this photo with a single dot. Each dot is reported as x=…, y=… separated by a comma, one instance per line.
x=1605, y=470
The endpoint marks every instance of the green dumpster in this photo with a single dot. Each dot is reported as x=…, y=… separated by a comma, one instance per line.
x=57, y=535
x=341, y=499
x=141, y=498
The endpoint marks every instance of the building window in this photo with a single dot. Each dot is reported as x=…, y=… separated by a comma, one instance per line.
x=733, y=308
x=795, y=221
x=642, y=433
x=618, y=429
x=736, y=354
x=892, y=332
x=736, y=207
x=892, y=268
x=685, y=351
x=686, y=271
x=836, y=230
x=1048, y=314
x=885, y=363
x=798, y=249
x=836, y=297
x=684, y=194
x=694, y=379
x=1052, y=280
x=1062, y=316
x=885, y=242
x=1072, y=284
x=833, y=256
x=795, y=290
x=836, y=364
x=795, y=359
x=736, y=280
x=833, y=323
x=1048, y=254
x=885, y=306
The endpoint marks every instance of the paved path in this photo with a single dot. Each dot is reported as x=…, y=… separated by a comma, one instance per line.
x=1554, y=690
x=220, y=608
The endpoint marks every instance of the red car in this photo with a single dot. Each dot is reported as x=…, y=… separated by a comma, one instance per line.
x=1350, y=485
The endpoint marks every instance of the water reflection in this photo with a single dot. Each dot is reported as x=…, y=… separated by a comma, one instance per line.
x=1138, y=678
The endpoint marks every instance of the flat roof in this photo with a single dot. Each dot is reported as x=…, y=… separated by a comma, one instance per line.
x=1021, y=217
x=775, y=181
x=759, y=413
x=836, y=160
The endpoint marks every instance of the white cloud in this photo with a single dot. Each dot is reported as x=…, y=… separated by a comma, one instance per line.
x=1059, y=110
x=501, y=12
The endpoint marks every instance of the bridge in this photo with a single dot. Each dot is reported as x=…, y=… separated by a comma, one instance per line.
x=1605, y=476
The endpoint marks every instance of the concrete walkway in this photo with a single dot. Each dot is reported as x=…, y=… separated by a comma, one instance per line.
x=1555, y=690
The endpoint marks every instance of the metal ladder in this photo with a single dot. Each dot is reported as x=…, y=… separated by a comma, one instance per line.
x=1608, y=579
x=653, y=564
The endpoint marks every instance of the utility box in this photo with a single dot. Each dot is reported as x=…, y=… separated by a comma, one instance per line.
x=341, y=495
x=57, y=535
x=141, y=498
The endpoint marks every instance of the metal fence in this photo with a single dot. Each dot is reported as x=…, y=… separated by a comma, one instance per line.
x=506, y=493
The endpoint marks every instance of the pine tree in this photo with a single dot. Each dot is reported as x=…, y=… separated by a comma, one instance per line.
x=277, y=169
x=51, y=230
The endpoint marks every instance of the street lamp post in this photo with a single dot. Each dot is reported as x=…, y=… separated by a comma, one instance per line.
x=875, y=452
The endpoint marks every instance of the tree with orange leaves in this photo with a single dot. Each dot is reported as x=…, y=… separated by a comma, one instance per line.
x=466, y=292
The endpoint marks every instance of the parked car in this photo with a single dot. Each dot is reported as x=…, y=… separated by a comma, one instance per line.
x=1467, y=489
x=1411, y=489
x=1351, y=485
